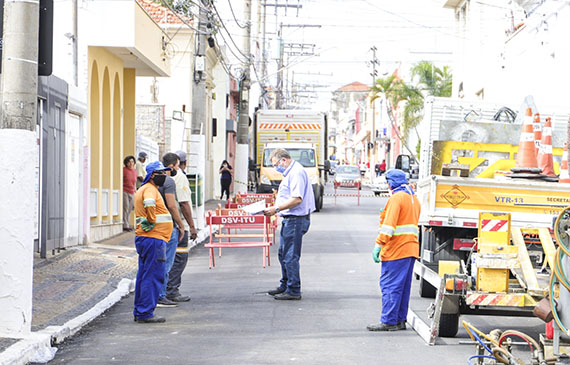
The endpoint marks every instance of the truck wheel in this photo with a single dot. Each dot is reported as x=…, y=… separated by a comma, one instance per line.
x=319, y=203
x=426, y=289
x=448, y=324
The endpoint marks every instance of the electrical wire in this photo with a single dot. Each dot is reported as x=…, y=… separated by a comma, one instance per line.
x=227, y=31
x=518, y=334
x=469, y=327
x=482, y=343
x=229, y=47
x=233, y=14
x=479, y=357
x=181, y=18
x=558, y=272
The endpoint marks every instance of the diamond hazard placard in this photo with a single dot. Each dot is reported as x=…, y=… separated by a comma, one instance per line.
x=454, y=196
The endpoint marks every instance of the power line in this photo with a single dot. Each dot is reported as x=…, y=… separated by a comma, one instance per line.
x=228, y=32
x=229, y=47
x=233, y=14
x=181, y=19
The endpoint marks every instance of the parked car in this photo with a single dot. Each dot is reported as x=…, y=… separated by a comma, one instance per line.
x=347, y=173
x=379, y=185
x=332, y=169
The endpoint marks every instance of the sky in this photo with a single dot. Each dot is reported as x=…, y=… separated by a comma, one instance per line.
x=403, y=31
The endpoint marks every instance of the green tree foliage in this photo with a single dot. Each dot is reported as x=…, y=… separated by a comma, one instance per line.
x=184, y=7
x=430, y=80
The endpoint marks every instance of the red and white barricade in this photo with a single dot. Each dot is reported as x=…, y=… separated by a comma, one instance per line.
x=347, y=184
x=248, y=239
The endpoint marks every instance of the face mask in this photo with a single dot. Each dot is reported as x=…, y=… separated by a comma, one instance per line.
x=173, y=173
x=280, y=169
x=159, y=180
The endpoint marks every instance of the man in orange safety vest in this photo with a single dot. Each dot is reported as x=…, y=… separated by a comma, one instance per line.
x=397, y=246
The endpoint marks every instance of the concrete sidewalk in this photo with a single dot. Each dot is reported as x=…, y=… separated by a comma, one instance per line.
x=74, y=287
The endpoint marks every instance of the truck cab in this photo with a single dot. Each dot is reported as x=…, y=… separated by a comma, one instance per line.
x=303, y=153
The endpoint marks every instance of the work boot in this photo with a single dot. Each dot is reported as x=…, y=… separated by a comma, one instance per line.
x=151, y=320
x=276, y=291
x=165, y=303
x=179, y=298
x=286, y=296
x=401, y=325
x=382, y=327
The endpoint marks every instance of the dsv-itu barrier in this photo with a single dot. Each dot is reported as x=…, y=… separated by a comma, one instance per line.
x=347, y=184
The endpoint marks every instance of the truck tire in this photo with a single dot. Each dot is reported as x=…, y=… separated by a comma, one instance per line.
x=426, y=289
x=448, y=324
x=319, y=203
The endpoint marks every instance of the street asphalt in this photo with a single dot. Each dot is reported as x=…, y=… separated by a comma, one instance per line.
x=230, y=319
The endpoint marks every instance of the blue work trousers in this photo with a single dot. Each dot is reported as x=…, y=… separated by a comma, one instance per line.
x=395, y=283
x=292, y=230
x=150, y=275
x=170, y=255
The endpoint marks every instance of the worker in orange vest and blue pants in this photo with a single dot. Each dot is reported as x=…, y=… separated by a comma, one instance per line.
x=397, y=246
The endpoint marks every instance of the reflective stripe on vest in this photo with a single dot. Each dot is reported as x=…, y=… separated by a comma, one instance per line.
x=399, y=230
x=387, y=230
x=407, y=229
x=160, y=218
x=149, y=203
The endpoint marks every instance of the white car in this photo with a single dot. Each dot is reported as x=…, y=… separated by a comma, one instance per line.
x=379, y=185
x=347, y=174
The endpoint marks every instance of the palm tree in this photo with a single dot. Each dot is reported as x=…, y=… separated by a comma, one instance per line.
x=431, y=79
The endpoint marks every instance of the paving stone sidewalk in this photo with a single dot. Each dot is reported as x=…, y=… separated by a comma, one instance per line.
x=73, y=287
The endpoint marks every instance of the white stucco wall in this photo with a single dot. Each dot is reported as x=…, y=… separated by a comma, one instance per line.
x=176, y=90
x=536, y=60
x=18, y=150
x=219, y=111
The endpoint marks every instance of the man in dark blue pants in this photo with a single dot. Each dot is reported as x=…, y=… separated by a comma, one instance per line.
x=296, y=202
x=154, y=228
x=395, y=285
x=150, y=276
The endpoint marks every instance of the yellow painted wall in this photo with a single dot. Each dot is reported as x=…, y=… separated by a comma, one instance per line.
x=129, y=112
x=106, y=136
x=147, y=36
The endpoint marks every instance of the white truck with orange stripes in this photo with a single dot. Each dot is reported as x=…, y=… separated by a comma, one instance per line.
x=467, y=147
x=304, y=134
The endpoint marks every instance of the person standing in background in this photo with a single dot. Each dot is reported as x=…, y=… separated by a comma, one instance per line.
x=141, y=168
x=184, y=197
x=129, y=188
x=225, y=178
x=382, y=167
x=168, y=192
x=251, y=169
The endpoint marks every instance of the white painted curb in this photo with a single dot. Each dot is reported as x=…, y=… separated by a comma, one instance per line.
x=37, y=345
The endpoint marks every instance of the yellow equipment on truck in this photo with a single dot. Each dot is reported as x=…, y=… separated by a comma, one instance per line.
x=301, y=132
x=467, y=148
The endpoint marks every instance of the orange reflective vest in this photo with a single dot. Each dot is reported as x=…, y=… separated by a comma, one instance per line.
x=398, y=232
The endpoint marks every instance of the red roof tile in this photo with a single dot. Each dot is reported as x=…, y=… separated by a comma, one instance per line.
x=355, y=86
x=161, y=14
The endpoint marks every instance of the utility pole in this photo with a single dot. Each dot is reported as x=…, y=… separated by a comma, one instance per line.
x=18, y=151
x=199, y=85
x=279, y=101
x=373, y=132
x=242, y=151
x=293, y=46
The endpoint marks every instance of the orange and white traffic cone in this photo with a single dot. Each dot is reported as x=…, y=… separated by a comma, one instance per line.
x=564, y=176
x=545, y=161
x=537, y=130
x=526, y=165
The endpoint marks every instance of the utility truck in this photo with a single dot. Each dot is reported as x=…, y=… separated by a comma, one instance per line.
x=301, y=132
x=467, y=149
